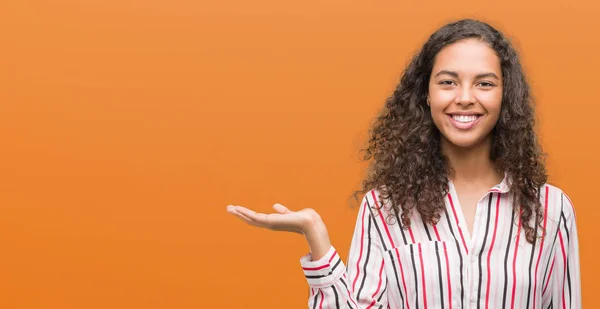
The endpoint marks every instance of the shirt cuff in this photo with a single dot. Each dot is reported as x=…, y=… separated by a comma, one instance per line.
x=324, y=271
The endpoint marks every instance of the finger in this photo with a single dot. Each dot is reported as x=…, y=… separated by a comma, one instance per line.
x=259, y=219
x=234, y=211
x=247, y=212
x=281, y=209
x=274, y=221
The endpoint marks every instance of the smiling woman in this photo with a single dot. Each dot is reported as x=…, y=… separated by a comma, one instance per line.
x=456, y=211
x=465, y=93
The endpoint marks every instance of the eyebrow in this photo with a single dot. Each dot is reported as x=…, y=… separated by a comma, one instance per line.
x=455, y=75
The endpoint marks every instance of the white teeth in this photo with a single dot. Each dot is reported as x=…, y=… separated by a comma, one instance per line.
x=464, y=119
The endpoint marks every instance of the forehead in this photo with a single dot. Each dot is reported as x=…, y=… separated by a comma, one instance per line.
x=470, y=56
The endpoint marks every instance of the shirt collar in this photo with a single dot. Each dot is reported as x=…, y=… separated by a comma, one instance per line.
x=502, y=187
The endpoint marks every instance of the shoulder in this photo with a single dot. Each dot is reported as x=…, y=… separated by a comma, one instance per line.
x=556, y=202
x=374, y=201
x=371, y=198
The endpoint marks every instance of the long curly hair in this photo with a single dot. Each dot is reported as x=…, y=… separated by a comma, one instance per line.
x=407, y=165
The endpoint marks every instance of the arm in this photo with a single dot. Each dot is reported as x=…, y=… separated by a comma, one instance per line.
x=359, y=284
x=566, y=282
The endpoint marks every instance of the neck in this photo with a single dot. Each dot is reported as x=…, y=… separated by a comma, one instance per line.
x=471, y=165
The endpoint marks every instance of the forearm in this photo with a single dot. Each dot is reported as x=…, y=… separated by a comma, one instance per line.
x=318, y=240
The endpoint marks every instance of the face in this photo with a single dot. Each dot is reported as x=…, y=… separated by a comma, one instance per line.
x=465, y=93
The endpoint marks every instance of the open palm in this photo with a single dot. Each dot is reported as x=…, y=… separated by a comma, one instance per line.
x=283, y=220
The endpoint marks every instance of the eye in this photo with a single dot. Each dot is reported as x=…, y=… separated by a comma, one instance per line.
x=446, y=82
x=487, y=84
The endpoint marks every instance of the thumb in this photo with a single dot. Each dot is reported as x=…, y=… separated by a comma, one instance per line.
x=281, y=209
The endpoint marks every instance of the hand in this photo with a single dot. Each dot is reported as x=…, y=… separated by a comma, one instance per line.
x=306, y=222
x=300, y=222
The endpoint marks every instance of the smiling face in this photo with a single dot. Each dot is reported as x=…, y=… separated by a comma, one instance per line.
x=465, y=93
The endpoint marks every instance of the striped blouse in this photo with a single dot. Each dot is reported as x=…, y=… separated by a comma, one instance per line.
x=443, y=266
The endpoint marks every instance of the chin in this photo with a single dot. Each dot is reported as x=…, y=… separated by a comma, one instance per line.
x=463, y=142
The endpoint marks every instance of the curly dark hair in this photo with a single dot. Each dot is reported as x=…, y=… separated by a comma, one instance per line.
x=408, y=167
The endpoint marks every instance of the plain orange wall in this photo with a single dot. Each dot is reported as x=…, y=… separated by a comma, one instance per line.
x=126, y=127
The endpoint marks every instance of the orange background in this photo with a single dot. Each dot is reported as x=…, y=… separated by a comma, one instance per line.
x=127, y=126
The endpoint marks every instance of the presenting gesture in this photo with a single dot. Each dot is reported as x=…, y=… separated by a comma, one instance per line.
x=306, y=222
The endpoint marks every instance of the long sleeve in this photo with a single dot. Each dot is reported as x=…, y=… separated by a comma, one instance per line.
x=566, y=282
x=360, y=284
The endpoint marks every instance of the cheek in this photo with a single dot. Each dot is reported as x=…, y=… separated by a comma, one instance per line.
x=491, y=100
x=438, y=114
x=443, y=97
x=489, y=97
x=492, y=106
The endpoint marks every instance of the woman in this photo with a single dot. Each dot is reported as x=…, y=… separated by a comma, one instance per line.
x=456, y=211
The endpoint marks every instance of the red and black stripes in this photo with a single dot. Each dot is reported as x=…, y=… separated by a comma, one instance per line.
x=443, y=266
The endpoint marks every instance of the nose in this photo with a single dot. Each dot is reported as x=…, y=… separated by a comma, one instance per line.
x=465, y=96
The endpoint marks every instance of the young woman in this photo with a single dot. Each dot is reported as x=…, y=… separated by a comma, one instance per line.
x=456, y=210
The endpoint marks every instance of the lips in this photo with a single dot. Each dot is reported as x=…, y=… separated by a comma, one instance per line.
x=465, y=118
x=464, y=121
x=466, y=113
